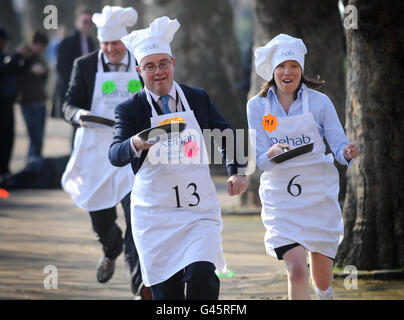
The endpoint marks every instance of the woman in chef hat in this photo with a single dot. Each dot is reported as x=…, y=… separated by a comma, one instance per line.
x=299, y=197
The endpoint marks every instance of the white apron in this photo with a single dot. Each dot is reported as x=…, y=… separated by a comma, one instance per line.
x=90, y=179
x=300, y=196
x=176, y=216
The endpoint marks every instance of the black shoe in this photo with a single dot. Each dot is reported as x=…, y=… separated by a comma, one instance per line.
x=105, y=269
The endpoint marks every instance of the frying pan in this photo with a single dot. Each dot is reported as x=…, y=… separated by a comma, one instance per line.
x=290, y=154
x=164, y=131
x=96, y=119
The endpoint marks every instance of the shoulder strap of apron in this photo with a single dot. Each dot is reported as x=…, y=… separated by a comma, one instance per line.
x=183, y=99
x=305, y=98
x=267, y=105
x=150, y=101
x=100, y=64
x=131, y=67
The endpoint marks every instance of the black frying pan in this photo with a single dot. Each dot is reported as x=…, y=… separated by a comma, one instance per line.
x=293, y=153
x=96, y=119
x=162, y=131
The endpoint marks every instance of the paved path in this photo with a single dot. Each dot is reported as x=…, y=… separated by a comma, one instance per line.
x=40, y=228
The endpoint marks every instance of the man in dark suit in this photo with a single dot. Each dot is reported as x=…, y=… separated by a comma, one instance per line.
x=176, y=220
x=112, y=62
x=10, y=65
x=73, y=46
x=79, y=94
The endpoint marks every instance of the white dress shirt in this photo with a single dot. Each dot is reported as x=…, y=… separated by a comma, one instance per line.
x=172, y=103
x=123, y=64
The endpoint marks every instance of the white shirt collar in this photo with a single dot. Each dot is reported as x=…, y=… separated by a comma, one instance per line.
x=124, y=61
x=156, y=97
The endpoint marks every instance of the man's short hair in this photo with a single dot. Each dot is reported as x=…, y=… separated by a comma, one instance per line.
x=40, y=38
x=82, y=10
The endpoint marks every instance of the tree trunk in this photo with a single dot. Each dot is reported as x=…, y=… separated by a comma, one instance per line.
x=374, y=206
x=319, y=25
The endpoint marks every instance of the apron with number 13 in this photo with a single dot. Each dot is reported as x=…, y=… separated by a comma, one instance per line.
x=90, y=179
x=175, y=209
x=300, y=196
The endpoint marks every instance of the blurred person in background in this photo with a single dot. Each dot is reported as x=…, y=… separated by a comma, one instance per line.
x=75, y=45
x=54, y=42
x=10, y=65
x=32, y=95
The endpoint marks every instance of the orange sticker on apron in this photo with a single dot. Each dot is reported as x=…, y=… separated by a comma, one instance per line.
x=269, y=122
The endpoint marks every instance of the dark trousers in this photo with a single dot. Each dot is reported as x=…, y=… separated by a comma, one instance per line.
x=34, y=115
x=110, y=236
x=6, y=132
x=202, y=284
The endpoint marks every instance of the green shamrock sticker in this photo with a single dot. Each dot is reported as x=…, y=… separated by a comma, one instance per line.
x=134, y=86
x=108, y=87
x=229, y=274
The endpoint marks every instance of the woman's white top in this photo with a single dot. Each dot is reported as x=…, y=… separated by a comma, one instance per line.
x=325, y=116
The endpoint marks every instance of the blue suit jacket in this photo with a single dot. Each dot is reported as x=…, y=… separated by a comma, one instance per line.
x=133, y=116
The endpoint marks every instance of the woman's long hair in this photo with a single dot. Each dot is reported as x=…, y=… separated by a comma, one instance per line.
x=312, y=84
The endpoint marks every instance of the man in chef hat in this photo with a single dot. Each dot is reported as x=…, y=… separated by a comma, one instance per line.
x=100, y=81
x=176, y=218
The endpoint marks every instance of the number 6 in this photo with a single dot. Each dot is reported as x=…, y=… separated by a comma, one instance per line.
x=298, y=186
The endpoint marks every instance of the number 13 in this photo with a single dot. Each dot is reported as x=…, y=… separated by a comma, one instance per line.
x=195, y=194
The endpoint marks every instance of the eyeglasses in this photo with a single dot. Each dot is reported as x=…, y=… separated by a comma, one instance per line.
x=162, y=66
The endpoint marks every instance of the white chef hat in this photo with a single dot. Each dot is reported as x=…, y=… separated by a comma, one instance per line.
x=276, y=51
x=112, y=22
x=154, y=39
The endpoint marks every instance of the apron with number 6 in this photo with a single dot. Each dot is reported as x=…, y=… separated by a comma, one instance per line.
x=90, y=179
x=176, y=216
x=300, y=196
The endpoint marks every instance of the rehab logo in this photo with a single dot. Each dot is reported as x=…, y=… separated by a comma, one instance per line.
x=295, y=142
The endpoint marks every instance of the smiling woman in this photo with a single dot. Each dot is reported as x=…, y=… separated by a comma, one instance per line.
x=303, y=191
